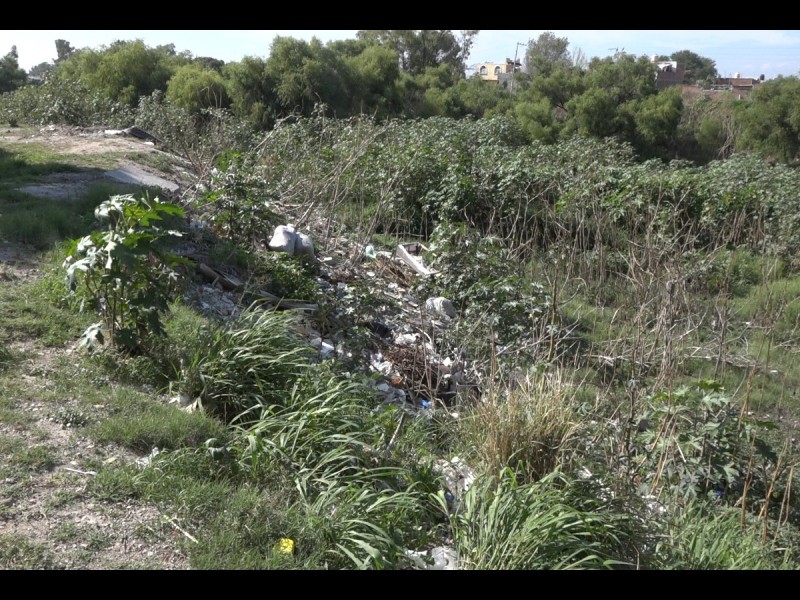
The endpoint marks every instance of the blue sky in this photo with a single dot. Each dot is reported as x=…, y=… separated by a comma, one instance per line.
x=748, y=52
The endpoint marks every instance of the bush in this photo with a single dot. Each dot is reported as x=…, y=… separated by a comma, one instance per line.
x=125, y=271
x=200, y=138
x=63, y=102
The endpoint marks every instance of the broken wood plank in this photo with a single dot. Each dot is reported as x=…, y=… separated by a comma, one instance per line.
x=281, y=303
x=216, y=277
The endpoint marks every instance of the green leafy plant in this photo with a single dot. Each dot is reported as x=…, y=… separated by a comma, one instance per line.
x=237, y=198
x=694, y=442
x=477, y=275
x=63, y=102
x=504, y=525
x=246, y=364
x=126, y=272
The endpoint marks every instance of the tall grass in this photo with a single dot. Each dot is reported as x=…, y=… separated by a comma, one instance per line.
x=504, y=525
x=525, y=424
x=249, y=363
x=700, y=538
x=367, y=508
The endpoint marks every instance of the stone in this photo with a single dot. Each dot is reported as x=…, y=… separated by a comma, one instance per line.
x=303, y=245
x=283, y=240
x=441, y=307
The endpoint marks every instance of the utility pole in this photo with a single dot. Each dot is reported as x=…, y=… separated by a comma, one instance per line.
x=514, y=66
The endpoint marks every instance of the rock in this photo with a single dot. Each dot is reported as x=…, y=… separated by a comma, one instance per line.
x=441, y=307
x=303, y=246
x=441, y=558
x=283, y=240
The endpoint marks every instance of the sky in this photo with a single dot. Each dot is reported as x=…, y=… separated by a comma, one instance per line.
x=750, y=53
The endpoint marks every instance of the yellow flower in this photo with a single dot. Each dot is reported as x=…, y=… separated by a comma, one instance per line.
x=285, y=546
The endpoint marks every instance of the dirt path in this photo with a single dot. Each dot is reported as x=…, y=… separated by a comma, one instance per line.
x=46, y=518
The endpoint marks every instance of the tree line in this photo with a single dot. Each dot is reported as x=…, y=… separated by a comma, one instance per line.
x=408, y=74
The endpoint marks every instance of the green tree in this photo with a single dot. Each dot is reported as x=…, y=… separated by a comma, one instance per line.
x=624, y=76
x=481, y=100
x=594, y=113
x=194, y=87
x=430, y=93
x=252, y=91
x=558, y=86
x=546, y=53
x=124, y=71
x=656, y=118
x=41, y=70
x=376, y=75
x=418, y=50
x=63, y=50
x=615, y=87
x=207, y=62
x=535, y=117
x=541, y=109
x=306, y=73
x=771, y=120
x=286, y=66
x=11, y=76
x=698, y=69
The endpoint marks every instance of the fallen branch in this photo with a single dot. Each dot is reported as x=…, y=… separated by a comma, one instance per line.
x=182, y=530
x=71, y=470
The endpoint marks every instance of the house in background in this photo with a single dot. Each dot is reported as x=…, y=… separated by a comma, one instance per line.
x=497, y=73
x=668, y=73
x=741, y=86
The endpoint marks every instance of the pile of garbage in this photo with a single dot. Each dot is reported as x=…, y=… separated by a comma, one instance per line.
x=400, y=350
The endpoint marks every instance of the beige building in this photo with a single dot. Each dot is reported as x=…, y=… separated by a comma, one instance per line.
x=497, y=72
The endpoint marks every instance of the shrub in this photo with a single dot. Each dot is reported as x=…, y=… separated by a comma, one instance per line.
x=125, y=271
x=63, y=102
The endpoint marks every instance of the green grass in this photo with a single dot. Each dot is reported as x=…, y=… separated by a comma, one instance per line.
x=41, y=222
x=21, y=163
x=11, y=412
x=142, y=423
x=28, y=313
x=25, y=162
x=698, y=538
x=774, y=307
x=19, y=553
x=550, y=524
x=18, y=455
x=249, y=363
x=236, y=523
